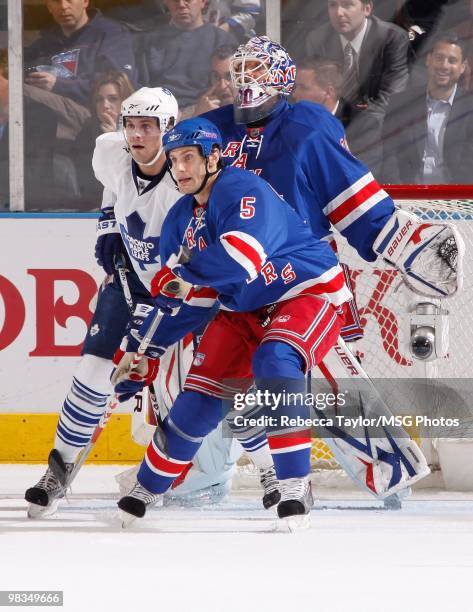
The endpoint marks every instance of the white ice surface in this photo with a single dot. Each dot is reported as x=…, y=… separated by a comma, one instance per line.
x=230, y=558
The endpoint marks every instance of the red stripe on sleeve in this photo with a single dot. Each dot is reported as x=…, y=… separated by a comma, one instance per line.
x=354, y=201
x=245, y=249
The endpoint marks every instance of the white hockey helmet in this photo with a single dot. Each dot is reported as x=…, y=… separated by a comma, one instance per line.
x=156, y=102
x=152, y=102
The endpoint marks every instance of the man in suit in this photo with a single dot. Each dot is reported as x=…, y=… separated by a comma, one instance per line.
x=373, y=53
x=428, y=132
x=320, y=80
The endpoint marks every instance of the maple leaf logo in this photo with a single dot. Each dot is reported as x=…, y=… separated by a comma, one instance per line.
x=144, y=250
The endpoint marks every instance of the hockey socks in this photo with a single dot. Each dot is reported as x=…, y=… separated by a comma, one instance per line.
x=173, y=446
x=279, y=373
x=83, y=406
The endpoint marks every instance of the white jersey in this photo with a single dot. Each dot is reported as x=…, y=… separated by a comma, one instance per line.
x=140, y=205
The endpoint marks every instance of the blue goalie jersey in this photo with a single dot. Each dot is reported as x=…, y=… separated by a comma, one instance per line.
x=301, y=151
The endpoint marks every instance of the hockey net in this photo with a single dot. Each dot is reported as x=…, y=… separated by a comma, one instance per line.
x=386, y=306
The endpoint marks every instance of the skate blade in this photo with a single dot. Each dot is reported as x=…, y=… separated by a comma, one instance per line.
x=293, y=524
x=34, y=511
x=126, y=519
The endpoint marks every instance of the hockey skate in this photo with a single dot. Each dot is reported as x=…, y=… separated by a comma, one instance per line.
x=296, y=503
x=135, y=504
x=270, y=484
x=44, y=497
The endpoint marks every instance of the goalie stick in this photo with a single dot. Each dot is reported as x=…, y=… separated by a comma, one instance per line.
x=55, y=461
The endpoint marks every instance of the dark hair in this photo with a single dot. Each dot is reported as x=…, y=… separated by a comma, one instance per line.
x=223, y=52
x=449, y=37
x=4, y=63
x=326, y=71
x=120, y=79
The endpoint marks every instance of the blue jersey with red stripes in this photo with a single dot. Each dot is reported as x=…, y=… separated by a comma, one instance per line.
x=249, y=246
x=301, y=151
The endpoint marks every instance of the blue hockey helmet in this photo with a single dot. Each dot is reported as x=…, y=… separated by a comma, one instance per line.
x=193, y=132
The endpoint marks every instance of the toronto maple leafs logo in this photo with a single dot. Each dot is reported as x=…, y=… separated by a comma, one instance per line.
x=143, y=250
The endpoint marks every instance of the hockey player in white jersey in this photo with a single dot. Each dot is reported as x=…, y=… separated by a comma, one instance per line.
x=138, y=193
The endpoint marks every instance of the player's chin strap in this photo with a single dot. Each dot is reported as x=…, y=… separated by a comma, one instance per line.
x=205, y=179
x=149, y=163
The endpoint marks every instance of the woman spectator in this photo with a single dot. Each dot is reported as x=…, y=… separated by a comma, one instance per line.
x=108, y=92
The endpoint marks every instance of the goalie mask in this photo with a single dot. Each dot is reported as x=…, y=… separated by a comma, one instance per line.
x=156, y=102
x=262, y=71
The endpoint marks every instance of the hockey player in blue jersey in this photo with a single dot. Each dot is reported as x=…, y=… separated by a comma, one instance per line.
x=301, y=150
x=281, y=293
x=138, y=193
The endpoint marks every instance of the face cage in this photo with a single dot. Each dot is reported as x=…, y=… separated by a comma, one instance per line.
x=240, y=77
x=256, y=97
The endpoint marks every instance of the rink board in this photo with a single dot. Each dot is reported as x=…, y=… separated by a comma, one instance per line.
x=48, y=278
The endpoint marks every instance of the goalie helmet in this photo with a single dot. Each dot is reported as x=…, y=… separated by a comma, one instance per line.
x=152, y=102
x=261, y=72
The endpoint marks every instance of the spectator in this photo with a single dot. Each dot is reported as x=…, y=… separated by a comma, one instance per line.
x=465, y=33
x=177, y=55
x=373, y=53
x=68, y=57
x=235, y=16
x=221, y=91
x=320, y=80
x=40, y=128
x=428, y=132
x=108, y=92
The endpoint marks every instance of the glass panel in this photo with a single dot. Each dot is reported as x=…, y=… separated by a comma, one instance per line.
x=4, y=178
x=397, y=74
x=81, y=63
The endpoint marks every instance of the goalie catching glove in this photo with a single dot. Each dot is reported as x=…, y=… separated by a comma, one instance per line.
x=430, y=255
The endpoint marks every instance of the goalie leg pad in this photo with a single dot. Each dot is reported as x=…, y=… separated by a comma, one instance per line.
x=380, y=465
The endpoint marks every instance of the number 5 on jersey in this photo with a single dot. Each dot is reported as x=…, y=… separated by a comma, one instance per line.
x=247, y=210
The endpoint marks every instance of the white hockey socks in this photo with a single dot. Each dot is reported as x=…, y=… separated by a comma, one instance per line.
x=83, y=406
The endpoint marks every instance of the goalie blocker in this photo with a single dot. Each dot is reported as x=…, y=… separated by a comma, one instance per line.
x=429, y=255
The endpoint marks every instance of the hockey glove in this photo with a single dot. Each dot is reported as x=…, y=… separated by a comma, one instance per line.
x=169, y=290
x=429, y=255
x=130, y=375
x=109, y=241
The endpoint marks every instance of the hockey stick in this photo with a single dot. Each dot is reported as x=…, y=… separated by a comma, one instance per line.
x=55, y=461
